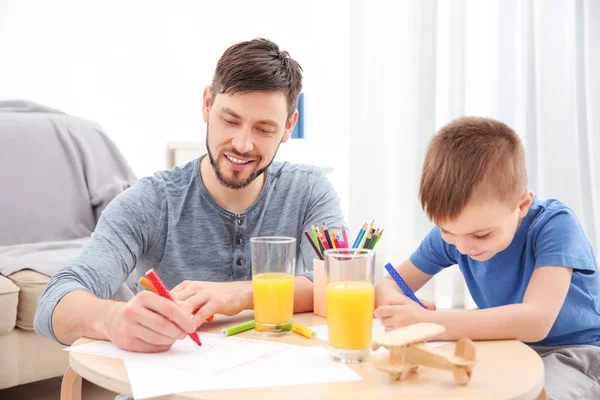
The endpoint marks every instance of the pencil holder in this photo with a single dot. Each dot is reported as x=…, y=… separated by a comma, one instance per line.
x=319, y=283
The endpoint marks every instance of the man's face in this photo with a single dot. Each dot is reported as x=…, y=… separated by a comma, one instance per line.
x=244, y=132
x=483, y=230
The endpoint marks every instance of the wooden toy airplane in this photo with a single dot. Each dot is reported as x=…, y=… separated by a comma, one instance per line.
x=408, y=350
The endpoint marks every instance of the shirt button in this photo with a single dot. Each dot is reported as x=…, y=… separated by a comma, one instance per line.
x=240, y=221
x=239, y=240
x=240, y=261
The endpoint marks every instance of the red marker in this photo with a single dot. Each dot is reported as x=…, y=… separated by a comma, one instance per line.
x=162, y=290
x=145, y=282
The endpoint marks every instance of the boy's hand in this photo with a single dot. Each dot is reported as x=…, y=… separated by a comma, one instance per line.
x=399, y=311
x=388, y=294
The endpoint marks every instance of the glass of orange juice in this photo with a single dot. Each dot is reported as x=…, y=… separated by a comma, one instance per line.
x=350, y=297
x=273, y=267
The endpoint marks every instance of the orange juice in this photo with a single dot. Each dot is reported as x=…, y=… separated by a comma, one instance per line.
x=273, y=298
x=350, y=314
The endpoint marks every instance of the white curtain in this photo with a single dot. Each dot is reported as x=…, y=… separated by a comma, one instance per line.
x=416, y=65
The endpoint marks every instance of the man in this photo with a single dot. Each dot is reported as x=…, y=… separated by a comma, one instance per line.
x=193, y=224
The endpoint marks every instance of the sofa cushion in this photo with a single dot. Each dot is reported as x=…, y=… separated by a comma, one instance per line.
x=9, y=299
x=28, y=357
x=32, y=285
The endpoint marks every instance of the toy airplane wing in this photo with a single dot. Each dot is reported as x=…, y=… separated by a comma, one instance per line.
x=416, y=333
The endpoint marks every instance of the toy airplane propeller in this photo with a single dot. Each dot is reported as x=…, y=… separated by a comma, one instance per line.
x=408, y=350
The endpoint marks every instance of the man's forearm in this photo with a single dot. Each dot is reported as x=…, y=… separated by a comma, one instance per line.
x=515, y=321
x=303, y=294
x=79, y=314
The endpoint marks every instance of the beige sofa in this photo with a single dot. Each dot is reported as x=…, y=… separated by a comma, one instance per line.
x=57, y=173
x=26, y=356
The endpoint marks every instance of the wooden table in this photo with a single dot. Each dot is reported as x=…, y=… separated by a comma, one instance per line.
x=507, y=370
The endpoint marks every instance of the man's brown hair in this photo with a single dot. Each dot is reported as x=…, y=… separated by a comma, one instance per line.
x=258, y=66
x=471, y=158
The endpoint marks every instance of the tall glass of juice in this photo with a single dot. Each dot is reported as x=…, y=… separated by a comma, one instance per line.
x=350, y=297
x=273, y=267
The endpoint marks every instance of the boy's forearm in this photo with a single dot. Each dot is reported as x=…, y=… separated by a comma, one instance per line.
x=80, y=314
x=515, y=321
x=383, y=290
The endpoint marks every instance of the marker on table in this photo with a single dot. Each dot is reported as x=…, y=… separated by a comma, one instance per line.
x=162, y=291
x=402, y=284
x=238, y=328
x=145, y=282
x=303, y=330
x=246, y=326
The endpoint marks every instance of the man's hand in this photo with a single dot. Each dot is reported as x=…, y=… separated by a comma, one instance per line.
x=398, y=311
x=227, y=298
x=147, y=323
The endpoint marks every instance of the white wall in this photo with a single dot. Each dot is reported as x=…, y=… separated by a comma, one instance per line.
x=384, y=74
x=139, y=67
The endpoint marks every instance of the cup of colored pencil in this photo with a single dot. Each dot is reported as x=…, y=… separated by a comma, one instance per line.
x=322, y=238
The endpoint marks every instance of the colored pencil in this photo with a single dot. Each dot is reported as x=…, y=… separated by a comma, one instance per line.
x=361, y=244
x=322, y=240
x=334, y=239
x=327, y=236
x=378, y=237
x=315, y=248
x=369, y=239
x=359, y=236
x=344, y=236
x=374, y=239
x=316, y=239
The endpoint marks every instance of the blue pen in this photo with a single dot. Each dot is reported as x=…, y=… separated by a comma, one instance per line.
x=403, y=286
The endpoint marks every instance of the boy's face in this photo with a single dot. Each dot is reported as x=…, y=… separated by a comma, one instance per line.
x=244, y=132
x=483, y=230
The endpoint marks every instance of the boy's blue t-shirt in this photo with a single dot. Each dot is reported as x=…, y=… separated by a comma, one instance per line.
x=549, y=235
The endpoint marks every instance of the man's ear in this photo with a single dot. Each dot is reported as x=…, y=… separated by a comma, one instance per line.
x=207, y=102
x=525, y=202
x=289, y=126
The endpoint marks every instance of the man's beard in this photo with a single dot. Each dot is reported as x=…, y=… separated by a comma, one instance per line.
x=233, y=184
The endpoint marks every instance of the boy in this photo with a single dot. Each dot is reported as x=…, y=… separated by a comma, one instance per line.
x=527, y=262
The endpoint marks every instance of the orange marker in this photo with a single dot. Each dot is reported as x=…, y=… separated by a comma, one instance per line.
x=145, y=282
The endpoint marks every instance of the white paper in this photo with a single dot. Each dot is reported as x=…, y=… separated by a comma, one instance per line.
x=323, y=334
x=297, y=365
x=216, y=353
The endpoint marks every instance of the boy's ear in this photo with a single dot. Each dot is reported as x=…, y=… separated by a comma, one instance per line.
x=525, y=202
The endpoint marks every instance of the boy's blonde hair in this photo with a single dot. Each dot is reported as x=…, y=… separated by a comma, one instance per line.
x=471, y=158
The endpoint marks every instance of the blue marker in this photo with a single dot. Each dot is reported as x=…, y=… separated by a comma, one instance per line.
x=403, y=286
